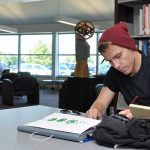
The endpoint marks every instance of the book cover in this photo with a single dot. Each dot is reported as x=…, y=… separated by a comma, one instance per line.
x=140, y=111
x=141, y=32
x=145, y=13
x=145, y=47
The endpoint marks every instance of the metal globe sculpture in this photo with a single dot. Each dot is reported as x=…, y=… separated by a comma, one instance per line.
x=85, y=29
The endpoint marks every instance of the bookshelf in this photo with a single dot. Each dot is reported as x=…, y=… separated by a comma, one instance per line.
x=136, y=14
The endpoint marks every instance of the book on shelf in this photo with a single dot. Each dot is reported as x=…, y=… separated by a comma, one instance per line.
x=146, y=22
x=140, y=111
x=143, y=45
x=149, y=18
x=144, y=19
x=141, y=22
x=62, y=126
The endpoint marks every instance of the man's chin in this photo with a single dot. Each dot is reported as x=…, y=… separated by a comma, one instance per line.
x=126, y=73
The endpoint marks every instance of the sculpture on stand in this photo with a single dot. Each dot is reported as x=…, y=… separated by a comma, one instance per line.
x=83, y=31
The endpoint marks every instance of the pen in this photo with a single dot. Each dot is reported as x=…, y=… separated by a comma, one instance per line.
x=134, y=99
x=87, y=140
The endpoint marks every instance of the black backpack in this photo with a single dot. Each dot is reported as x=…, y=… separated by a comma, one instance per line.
x=115, y=131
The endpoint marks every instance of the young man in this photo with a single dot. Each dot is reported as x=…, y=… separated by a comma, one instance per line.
x=129, y=72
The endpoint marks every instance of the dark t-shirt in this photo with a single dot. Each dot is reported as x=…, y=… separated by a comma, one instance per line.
x=130, y=87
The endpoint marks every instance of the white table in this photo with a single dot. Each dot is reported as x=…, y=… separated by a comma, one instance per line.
x=11, y=139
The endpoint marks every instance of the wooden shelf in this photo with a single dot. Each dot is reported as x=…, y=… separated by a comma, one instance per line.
x=133, y=2
x=131, y=12
x=125, y=13
x=141, y=37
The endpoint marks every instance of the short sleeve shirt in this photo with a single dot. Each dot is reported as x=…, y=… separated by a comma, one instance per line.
x=137, y=85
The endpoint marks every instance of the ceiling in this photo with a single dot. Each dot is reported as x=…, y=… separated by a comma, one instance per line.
x=20, y=12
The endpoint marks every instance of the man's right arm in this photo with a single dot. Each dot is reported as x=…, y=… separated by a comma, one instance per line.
x=99, y=107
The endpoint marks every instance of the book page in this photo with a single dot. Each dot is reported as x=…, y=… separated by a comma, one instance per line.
x=65, y=122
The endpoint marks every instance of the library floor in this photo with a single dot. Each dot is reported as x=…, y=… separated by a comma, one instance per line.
x=47, y=98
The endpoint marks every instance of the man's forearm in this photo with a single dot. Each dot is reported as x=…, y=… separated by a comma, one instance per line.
x=99, y=106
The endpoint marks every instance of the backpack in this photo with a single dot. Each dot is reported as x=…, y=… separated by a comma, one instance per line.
x=115, y=131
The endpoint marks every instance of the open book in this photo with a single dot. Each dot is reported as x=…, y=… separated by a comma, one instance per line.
x=64, y=126
x=140, y=111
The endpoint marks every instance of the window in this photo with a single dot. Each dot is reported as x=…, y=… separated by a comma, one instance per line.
x=8, y=51
x=93, y=52
x=103, y=66
x=66, y=54
x=33, y=53
x=36, y=54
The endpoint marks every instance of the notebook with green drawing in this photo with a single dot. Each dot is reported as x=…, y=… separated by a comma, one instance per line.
x=63, y=126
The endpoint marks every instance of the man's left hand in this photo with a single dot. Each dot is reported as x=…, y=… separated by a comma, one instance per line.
x=127, y=113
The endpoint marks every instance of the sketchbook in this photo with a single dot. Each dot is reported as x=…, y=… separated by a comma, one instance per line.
x=140, y=111
x=63, y=126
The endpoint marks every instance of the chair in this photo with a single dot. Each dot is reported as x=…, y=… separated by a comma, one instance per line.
x=11, y=76
x=22, y=85
x=77, y=93
x=5, y=71
x=6, y=75
x=24, y=73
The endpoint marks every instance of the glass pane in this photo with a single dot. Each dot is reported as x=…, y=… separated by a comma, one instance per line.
x=36, y=44
x=66, y=65
x=8, y=61
x=66, y=43
x=9, y=44
x=36, y=64
x=92, y=42
x=103, y=67
x=92, y=65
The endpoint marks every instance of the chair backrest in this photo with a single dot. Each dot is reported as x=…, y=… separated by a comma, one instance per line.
x=25, y=82
x=5, y=71
x=77, y=93
x=98, y=88
x=11, y=76
x=24, y=73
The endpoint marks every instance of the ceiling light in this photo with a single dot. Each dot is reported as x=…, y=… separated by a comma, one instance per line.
x=8, y=29
x=27, y=1
x=70, y=21
x=67, y=20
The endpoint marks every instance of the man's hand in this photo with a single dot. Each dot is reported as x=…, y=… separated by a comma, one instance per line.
x=93, y=113
x=127, y=113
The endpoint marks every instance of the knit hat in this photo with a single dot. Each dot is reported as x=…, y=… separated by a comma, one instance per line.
x=118, y=35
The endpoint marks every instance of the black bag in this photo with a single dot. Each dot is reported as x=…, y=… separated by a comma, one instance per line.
x=121, y=131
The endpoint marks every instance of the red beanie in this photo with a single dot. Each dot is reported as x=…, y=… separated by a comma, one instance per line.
x=118, y=35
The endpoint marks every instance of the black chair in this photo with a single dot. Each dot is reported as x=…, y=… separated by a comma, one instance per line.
x=22, y=85
x=5, y=71
x=77, y=93
x=11, y=76
x=24, y=73
x=6, y=75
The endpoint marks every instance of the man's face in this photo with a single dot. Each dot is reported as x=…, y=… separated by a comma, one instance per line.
x=121, y=58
